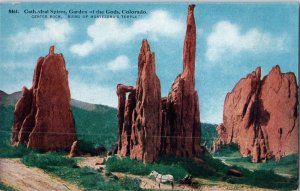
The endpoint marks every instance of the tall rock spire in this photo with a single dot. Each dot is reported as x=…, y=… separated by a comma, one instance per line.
x=156, y=126
x=189, y=49
x=145, y=135
x=181, y=114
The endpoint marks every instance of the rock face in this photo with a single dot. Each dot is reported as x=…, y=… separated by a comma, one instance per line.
x=181, y=134
x=43, y=117
x=125, y=110
x=261, y=116
x=139, y=115
x=146, y=118
x=149, y=125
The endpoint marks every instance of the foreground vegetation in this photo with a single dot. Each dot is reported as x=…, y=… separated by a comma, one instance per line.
x=286, y=165
x=88, y=125
x=211, y=169
x=67, y=169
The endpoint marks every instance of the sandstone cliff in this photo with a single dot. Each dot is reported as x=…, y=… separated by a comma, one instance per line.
x=43, y=117
x=261, y=116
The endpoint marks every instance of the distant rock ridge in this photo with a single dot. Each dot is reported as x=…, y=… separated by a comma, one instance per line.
x=150, y=126
x=42, y=116
x=9, y=99
x=261, y=116
x=13, y=98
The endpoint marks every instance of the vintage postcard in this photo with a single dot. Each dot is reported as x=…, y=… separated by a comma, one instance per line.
x=149, y=96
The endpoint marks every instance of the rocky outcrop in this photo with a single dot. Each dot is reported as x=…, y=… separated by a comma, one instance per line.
x=150, y=125
x=74, y=150
x=43, y=117
x=261, y=116
x=181, y=115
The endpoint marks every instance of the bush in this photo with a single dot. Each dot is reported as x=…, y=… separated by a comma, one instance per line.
x=86, y=147
x=130, y=184
x=116, y=164
x=8, y=151
x=48, y=160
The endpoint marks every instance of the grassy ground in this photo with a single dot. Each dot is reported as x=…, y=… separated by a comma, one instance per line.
x=67, y=169
x=100, y=124
x=213, y=169
x=286, y=165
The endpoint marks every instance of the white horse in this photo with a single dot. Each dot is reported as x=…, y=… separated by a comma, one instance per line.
x=162, y=178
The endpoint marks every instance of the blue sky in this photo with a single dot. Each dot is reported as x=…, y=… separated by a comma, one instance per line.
x=232, y=40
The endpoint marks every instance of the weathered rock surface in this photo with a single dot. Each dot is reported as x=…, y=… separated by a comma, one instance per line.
x=139, y=117
x=181, y=115
x=146, y=118
x=261, y=116
x=150, y=125
x=125, y=109
x=43, y=117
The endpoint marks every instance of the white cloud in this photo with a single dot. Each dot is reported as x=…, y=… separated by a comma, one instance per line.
x=105, y=32
x=93, y=93
x=227, y=39
x=52, y=32
x=119, y=63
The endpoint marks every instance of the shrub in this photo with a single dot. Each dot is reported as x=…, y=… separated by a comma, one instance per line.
x=8, y=151
x=67, y=169
x=130, y=184
x=86, y=146
x=48, y=160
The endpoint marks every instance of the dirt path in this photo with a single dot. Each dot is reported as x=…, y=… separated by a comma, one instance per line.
x=20, y=177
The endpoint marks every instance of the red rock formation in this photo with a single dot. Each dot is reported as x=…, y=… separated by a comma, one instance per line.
x=125, y=109
x=181, y=125
x=149, y=125
x=74, y=150
x=139, y=116
x=279, y=118
x=261, y=116
x=146, y=117
x=22, y=109
x=43, y=117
